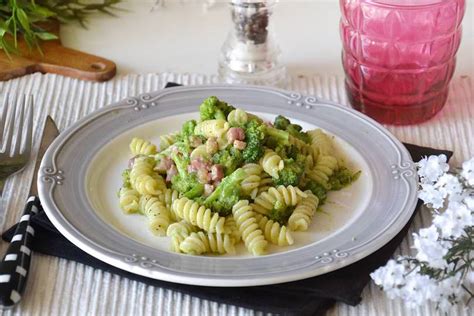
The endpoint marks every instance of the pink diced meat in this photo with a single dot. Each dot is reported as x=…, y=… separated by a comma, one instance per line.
x=235, y=133
x=217, y=173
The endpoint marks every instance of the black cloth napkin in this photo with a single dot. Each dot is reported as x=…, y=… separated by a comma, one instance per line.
x=311, y=296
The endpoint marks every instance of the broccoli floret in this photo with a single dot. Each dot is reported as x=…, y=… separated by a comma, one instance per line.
x=282, y=123
x=318, y=190
x=213, y=108
x=126, y=179
x=342, y=178
x=291, y=173
x=254, y=137
x=185, y=136
x=280, y=215
x=227, y=193
x=185, y=182
x=276, y=137
x=188, y=129
x=230, y=158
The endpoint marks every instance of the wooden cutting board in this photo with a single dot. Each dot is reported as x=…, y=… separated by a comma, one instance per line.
x=56, y=59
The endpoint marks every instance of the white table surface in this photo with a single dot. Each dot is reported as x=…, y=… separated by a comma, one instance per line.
x=169, y=40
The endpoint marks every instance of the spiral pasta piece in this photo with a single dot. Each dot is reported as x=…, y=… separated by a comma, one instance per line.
x=304, y=148
x=200, y=242
x=322, y=141
x=251, y=234
x=198, y=215
x=277, y=198
x=144, y=179
x=272, y=163
x=129, y=200
x=212, y=128
x=251, y=183
x=139, y=146
x=323, y=169
x=200, y=152
x=157, y=214
x=178, y=232
x=167, y=140
x=230, y=227
x=167, y=197
x=237, y=117
x=274, y=232
x=303, y=213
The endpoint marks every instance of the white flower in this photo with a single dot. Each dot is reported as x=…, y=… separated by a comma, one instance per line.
x=414, y=292
x=431, y=168
x=449, y=185
x=389, y=276
x=453, y=221
x=430, y=250
x=431, y=196
x=450, y=291
x=469, y=201
x=468, y=171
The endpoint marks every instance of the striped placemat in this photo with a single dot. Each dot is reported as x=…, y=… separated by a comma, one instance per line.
x=62, y=287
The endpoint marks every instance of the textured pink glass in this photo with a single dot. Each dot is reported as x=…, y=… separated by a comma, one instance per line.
x=399, y=56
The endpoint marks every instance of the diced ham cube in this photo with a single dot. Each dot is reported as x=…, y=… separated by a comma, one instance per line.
x=208, y=189
x=171, y=172
x=240, y=145
x=217, y=173
x=235, y=133
x=164, y=164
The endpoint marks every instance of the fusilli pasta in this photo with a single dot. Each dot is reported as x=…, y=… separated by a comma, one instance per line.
x=143, y=179
x=157, y=214
x=129, y=200
x=140, y=146
x=303, y=213
x=198, y=215
x=178, y=232
x=274, y=232
x=167, y=140
x=237, y=117
x=251, y=234
x=212, y=128
x=200, y=242
x=272, y=163
x=277, y=198
x=323, y=169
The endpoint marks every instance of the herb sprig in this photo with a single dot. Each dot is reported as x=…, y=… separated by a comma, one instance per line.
x=23, y=18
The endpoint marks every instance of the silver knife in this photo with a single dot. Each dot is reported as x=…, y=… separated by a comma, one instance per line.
x=15, y=265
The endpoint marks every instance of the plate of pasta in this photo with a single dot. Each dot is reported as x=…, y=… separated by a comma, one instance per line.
x=227, y=185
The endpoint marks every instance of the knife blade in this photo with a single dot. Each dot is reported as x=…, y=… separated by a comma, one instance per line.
x=14, y=267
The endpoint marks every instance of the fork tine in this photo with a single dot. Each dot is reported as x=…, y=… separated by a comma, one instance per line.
x=10, y=123
x=3, y=117
x=20, y=114
x=29, y=126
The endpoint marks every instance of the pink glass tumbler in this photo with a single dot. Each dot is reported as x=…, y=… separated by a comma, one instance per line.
x=399, y=56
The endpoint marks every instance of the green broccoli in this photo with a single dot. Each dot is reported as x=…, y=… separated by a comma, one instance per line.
x=227, y=193
x=185, y=182
x=254, y=137
x=318, y=190
x=282, y=123
x=291, y=173
x=213, y=108
x=230, y=158
x=342, y=178
x=280, y=215
x=126, y=179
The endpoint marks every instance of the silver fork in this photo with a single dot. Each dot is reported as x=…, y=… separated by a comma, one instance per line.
x=16, y=125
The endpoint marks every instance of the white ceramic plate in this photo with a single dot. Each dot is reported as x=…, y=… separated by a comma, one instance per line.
x=81, y=174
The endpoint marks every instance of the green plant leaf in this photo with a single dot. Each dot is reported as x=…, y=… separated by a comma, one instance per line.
x=23, y=19
x=45, y=36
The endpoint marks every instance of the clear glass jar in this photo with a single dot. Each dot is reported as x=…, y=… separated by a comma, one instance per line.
x=250, y=54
